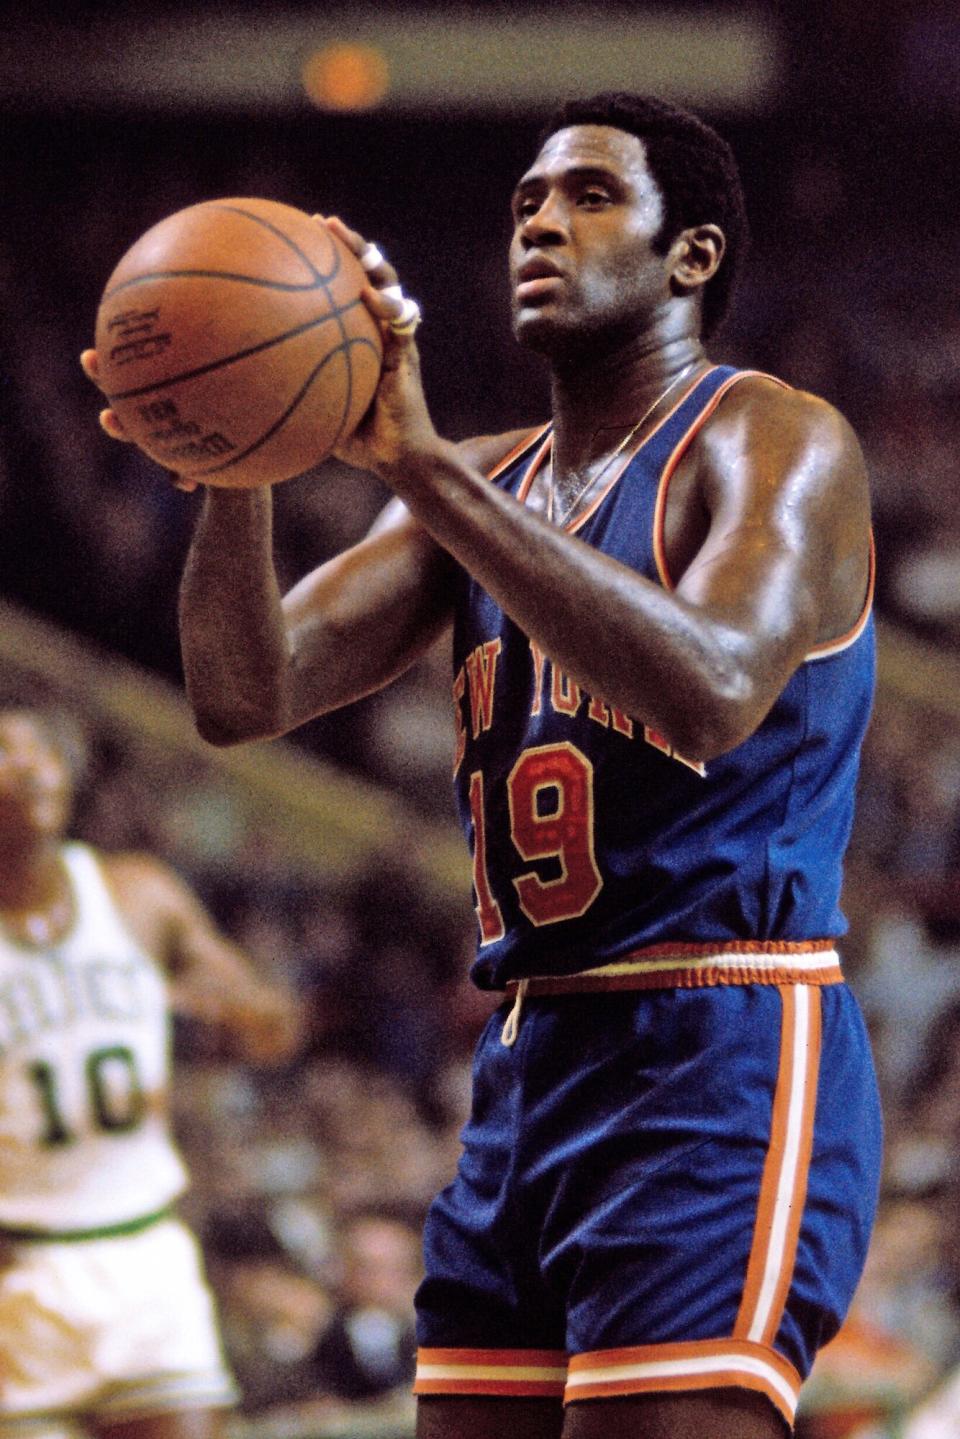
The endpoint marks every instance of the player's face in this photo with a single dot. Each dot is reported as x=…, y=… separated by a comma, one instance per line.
x=582, y=260
x=34, y=781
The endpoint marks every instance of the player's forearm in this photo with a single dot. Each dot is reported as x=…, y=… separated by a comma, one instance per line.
x=232, y=633
x=623, y=638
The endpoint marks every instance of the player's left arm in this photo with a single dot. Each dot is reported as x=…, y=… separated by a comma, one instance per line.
x=211, y=979
x=780, y=562
x=784, y=564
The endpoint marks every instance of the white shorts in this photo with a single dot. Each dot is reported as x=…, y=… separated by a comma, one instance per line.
x=109, y=1329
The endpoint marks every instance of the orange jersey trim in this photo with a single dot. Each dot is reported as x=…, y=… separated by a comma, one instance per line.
x=533, y=469
x=633, y=450
x=606, y=1373
x=833, y=647
x=521, y=1373
x=623, y=461
x=820, y=651
x=696, y=967
x=734, y=946
x=513, y=455
x=707, y=1364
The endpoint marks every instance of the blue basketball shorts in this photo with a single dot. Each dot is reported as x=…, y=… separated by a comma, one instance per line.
x=663, y=1190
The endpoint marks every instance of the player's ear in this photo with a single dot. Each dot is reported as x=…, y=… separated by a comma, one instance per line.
x=696, y=254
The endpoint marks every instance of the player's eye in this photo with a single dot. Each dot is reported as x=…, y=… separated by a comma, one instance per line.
x=525, y=207
x=594, y=197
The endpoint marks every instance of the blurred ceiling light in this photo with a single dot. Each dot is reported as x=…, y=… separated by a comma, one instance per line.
x=346, y=77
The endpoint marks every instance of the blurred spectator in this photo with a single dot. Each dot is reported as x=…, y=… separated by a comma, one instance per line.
x=902, y=1332
x=923, y=1147
x=936, y=1417
x=369, y=1348
x=326, y=1357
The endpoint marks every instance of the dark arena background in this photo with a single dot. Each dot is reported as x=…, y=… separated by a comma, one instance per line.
x=332, y=858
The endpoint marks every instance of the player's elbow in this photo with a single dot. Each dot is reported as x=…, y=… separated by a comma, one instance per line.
x=717, y=720
x=717, y=738
x=240, y=724
x=728, y=690
x=214, y=732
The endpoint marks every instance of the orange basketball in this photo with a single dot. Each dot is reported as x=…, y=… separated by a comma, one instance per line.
x=233, y=344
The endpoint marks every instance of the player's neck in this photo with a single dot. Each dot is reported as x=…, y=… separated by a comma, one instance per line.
x=31, y=875
x=596, y=401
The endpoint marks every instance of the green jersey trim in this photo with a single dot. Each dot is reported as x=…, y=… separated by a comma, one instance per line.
x=69, y=1236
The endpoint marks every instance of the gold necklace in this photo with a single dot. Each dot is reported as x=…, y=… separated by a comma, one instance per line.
x=593, y=479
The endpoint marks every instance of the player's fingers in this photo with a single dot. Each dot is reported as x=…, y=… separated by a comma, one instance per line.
x=397, y=311
x=90, y=365
x=378, y=268
x=183, y=482
x=351, y=238
x=111, y=425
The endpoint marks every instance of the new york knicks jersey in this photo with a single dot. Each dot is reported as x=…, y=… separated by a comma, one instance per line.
x=84, y=1063
x=591, y=838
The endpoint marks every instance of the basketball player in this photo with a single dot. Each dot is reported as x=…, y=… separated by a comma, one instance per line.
x=662, y=668
x=105, y=1318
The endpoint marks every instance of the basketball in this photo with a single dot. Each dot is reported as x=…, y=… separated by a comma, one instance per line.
x=233, y=344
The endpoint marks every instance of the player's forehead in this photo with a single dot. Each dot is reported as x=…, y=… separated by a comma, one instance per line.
x=16, y=725
x=591, y=147
x=21, y=730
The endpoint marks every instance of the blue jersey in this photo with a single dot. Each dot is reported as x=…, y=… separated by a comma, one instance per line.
x=592, y=840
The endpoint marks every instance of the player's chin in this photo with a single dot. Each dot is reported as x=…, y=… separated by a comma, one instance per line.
x=539, y=328
x=48, y=816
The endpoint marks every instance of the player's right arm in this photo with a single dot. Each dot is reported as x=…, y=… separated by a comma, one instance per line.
x=258, y=663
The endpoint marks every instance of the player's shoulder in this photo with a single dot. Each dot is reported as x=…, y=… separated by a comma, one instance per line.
x=139, y=881
x=487, y=452
x=762, y=400
x=761, y=416
x=154, y=902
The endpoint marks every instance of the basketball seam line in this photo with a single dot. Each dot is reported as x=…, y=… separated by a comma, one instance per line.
x=319, y=278
x=333, y=314
x=282, y=419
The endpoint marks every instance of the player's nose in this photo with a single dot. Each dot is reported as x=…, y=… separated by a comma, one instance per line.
x=545, y=225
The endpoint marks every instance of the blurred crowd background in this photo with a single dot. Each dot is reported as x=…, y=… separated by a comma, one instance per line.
x=331, y=858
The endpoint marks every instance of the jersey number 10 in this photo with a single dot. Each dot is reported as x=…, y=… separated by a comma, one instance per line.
x=114, y=1092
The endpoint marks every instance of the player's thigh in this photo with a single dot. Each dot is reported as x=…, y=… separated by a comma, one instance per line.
x=175, y=1424
x=709, y=1414
x=444, y=1416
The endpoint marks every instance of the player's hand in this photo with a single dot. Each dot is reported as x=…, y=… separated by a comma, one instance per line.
x=261, y=1024
x=398, y=422
x=109, y=419
x=269, y=1031
x=111, y=423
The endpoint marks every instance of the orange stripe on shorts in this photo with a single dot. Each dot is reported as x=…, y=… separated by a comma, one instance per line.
x=783, y=1187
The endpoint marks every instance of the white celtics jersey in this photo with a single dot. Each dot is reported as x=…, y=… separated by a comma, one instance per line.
x=84, y=1070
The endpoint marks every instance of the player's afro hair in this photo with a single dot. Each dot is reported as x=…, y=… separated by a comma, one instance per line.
x=694, y=169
